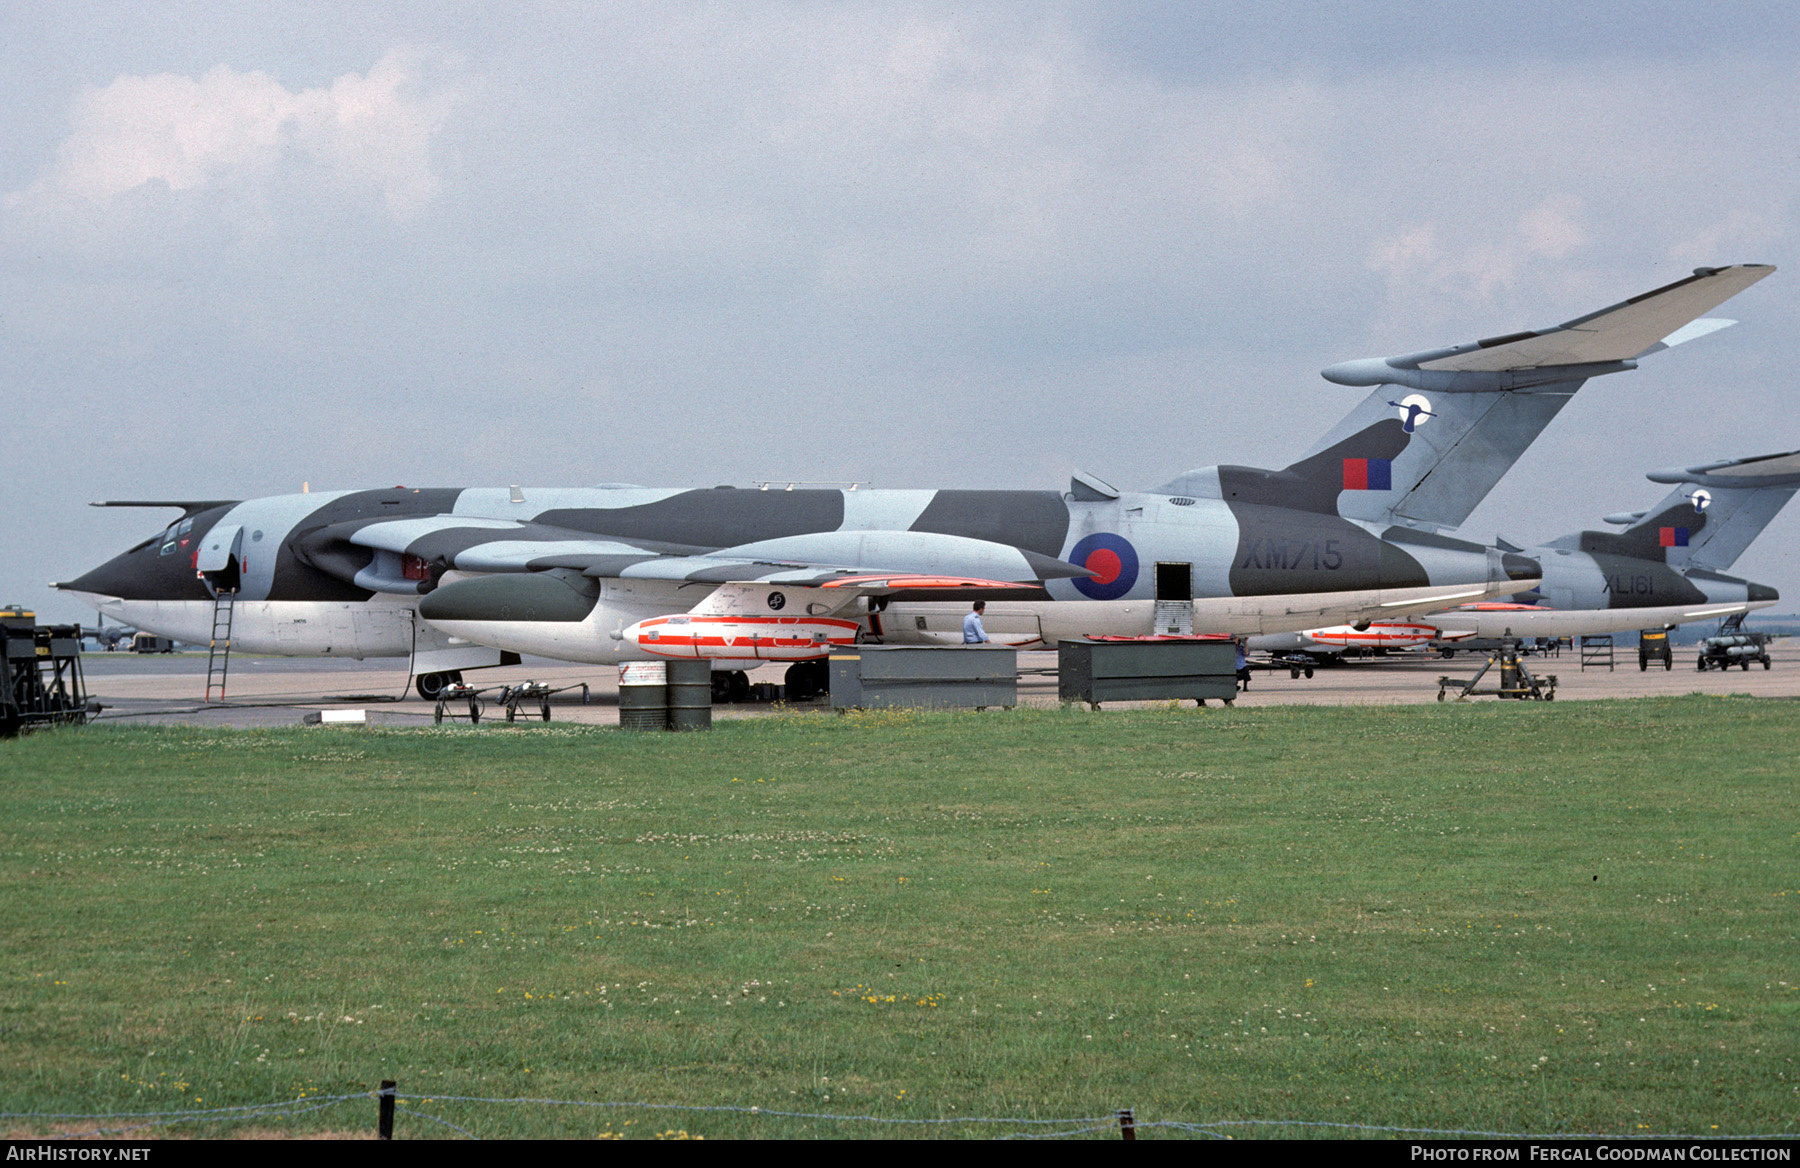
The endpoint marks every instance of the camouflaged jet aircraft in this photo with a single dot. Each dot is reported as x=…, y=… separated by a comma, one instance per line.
x=460, y=579
x=1666, y=568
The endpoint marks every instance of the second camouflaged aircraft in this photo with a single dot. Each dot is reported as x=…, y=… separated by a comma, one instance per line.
x=1668, y=567
x=461, y=578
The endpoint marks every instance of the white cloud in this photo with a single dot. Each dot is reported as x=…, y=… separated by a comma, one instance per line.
x=1553, y=228
x=1481, y=269
x=363, y=136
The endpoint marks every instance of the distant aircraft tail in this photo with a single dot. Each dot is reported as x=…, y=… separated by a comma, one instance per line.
x=1442, y=426
x=1711, y=516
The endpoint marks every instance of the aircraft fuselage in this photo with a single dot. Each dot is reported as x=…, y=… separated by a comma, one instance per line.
x=1595, y=593
x=342, y=574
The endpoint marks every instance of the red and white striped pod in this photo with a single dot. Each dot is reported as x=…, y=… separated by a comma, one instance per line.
x=765, y=638
x=1379, y=635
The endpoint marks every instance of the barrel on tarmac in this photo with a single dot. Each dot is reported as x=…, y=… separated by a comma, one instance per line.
x=690, y=694
x=644, y=695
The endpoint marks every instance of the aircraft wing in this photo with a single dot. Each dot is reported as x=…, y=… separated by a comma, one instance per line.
x=410, y=555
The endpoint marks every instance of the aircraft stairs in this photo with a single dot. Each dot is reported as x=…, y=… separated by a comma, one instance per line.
x=218, y=651
x=1597, y=652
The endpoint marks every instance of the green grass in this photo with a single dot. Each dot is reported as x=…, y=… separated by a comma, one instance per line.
x=1576, y=917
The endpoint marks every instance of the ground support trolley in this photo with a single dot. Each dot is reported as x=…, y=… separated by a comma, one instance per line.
x=458, y=692
x=1739, y=650
x=535, y=692
x=1516, y=681
x=40, y=667
x=1295, y=664
x=1653, y=646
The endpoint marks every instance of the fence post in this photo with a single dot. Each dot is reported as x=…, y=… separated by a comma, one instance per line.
x=1127, y=1125
x=384, y=1124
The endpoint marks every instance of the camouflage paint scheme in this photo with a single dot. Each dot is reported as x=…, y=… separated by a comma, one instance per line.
x=568, y=585
x=1666, y=568
x=1350, y=532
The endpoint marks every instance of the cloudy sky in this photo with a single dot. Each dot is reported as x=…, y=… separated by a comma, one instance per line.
x=248, y=246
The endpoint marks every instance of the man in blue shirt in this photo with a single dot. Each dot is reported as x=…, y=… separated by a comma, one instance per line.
x=973, y=633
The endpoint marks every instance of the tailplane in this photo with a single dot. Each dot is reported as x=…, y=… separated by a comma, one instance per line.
x=1711, y=516
x=1442, y=426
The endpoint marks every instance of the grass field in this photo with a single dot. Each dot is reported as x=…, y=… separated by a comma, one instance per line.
x=1519, y=918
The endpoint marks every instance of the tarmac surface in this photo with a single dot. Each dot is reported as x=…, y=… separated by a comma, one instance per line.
x=281, y=691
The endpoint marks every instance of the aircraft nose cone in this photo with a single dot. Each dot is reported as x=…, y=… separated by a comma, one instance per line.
x=1762, y=593
x=119, y=576
x=160, y=568
x=1519, y=567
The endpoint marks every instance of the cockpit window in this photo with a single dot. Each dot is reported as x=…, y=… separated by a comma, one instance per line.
x=187, y=525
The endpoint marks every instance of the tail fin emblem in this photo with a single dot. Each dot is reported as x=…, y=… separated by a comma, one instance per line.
x=1701, y=498
x=1415, y=411
x=1368, y=474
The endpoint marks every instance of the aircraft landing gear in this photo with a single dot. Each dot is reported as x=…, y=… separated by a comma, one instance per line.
x=730, y=686
x=807, y=680
x=431, y=686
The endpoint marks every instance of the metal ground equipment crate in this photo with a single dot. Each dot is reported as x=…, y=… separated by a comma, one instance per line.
x=41, y=665
x=1096, y=670
x=889, y=677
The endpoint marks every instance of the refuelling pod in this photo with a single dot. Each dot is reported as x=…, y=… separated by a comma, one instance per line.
x=740, y=637
x=1376, y=635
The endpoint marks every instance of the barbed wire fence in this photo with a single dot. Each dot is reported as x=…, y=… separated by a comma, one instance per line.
x=1124, y=1122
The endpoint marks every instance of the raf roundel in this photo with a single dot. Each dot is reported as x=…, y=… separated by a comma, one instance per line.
x=1113, y=561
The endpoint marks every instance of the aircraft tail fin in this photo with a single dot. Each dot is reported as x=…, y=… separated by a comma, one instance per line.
x=1714, y=512
x=1442, y=426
